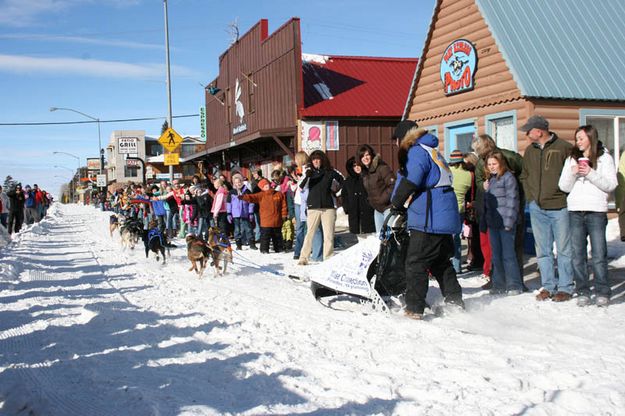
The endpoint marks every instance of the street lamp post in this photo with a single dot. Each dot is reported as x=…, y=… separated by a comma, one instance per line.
x=71, y=170
x=97, y=120
x=77, y=171
x=71, y=193
x=169, y=110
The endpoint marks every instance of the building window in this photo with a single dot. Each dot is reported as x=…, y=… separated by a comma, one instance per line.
x=188, y=170
x=502, y=128
x=251, y=105
x=131, y=172
x=155, y=149
x=610, y=125
x=459, y=136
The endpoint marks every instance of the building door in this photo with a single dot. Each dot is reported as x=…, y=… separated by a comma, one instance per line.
x=460, y=138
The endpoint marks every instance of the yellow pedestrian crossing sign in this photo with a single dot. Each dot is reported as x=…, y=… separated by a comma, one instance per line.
x=170, y=139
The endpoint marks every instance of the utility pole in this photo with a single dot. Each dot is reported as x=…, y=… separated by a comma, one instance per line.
x=169, y=110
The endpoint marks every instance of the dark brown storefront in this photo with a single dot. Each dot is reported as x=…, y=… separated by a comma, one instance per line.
x=267, y=93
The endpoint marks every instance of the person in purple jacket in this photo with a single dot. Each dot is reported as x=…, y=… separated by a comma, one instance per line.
x=241, y=213
x=501, y=213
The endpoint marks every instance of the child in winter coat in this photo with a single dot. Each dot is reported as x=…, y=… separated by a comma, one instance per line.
x=220, y=206
x=241, y=213
x=284, y=186
x=273, y=213
x=501, y=212
x=190, y=212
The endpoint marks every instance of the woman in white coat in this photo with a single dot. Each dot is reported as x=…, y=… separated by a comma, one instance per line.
x=588, y=177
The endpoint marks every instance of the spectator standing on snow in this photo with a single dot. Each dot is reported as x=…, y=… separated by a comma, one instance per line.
x=542, y=165
x=323, y=182
x=425, y=179
x=4, y=211
x=273, y=212
x=470, y=228
x=588, y=177
x=378, y=179
x=30, y=204
x=360, y=213
x=241, y=213
x=461, y=184
x=483, y=145
x=220, y=206
x=501, y=213
x=17, y=200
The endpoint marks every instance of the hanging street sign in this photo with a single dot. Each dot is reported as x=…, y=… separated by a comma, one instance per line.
x=128, y=145
x=170, y=139
x=172, y=159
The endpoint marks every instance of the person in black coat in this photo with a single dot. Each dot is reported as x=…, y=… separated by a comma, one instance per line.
x=16, y=209
x=355, y=203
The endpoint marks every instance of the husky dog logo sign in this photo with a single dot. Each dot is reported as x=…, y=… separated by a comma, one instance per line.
x=458, y=66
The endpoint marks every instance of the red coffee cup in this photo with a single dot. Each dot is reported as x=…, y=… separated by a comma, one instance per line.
x=583, y=161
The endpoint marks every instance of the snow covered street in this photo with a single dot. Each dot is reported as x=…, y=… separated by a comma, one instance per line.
x=89, y=329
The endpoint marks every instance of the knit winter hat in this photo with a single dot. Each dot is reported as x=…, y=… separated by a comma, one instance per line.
x=456, y=157
x=262, y=183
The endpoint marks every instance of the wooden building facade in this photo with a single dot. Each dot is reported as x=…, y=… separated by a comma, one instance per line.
x=487, y=67
x=270, y=100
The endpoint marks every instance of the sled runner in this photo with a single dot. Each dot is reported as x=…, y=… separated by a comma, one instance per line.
x=371, y=272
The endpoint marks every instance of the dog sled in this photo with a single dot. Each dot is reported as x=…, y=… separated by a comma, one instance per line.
x=371, y=273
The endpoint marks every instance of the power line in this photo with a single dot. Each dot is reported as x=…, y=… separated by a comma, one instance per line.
x=121, y=120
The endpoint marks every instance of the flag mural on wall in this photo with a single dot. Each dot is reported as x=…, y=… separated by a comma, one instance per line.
x=332, y=135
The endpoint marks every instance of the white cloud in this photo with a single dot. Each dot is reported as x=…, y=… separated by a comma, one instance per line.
x=22, y=13
x=94, y=68
x=81, y=39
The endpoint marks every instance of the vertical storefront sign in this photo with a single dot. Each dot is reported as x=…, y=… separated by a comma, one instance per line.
x=332, y=135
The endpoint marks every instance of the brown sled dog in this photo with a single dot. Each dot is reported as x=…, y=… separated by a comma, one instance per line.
x=219, y=244
x=197, y=252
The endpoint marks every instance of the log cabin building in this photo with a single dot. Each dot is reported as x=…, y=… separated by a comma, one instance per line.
x=489, y=65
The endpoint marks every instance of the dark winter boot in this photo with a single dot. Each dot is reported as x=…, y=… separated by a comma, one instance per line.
x=253, y=245
x=288, y=245
x=239, y=245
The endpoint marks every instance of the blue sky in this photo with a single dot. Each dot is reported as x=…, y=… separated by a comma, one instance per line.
x=106, y=58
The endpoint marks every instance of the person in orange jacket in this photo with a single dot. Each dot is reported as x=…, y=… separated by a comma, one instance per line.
x=273, y=213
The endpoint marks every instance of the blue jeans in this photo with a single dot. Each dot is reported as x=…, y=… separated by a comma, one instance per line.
x=551, y=226
x=242, y=231
x=3, y=219
x=378, y=218
x=506, y=273
x=202, y=227
x=590, y=224
x=257, y=226
x=172, y=220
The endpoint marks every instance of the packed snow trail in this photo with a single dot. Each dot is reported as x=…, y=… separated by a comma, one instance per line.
x=89, y=329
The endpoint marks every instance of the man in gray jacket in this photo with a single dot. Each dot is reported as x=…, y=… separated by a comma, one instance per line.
x=542, y=165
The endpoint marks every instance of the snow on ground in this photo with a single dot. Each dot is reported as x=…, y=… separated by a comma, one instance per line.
x=89, y=329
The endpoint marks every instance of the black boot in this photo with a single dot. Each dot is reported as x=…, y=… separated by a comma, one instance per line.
x=253, y=245
x=288, y=245
x=239, y=245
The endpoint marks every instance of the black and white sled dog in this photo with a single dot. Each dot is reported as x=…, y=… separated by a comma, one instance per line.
x=131, y=231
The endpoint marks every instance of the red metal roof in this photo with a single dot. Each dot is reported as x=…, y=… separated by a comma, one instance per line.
x=356, y=86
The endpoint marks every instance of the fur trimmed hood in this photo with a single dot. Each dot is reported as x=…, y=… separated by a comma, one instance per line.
x=413, y=136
